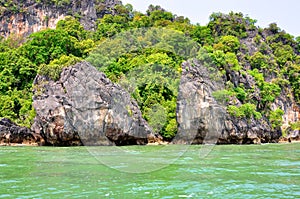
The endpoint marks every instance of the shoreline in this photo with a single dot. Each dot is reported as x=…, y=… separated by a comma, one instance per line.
x=149, y=144
x=19, y=145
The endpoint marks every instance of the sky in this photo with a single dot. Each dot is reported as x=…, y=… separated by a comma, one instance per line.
x=285, y=13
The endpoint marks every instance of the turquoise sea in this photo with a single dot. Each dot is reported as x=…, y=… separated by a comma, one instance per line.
x=173, y=171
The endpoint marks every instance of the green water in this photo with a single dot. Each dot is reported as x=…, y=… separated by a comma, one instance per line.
x=254, y=171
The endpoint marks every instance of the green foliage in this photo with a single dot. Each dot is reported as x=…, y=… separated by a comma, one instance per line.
x=276, y=35
x=295, y=126
x=275, y=118
x=140, y=21
x=244, y=111
x=54, y=68
x=16, y=71
x=181, y=24
x=110, y=25
x=156, y=116
x=259, y=61
x=283, y=53
x=298, y=44
x=47, y=51
x=160, y=15
x=17, y=6
x=11, y=42
x=148, y=64
x=259, y=77
x=79, y=37
x=218, y=58
x=223, y=96
x=156, y=79
x=241, y=94
x=47, y=45
x=72, y=27
x=232, y=24
x=124, y=10
x=153, y=60
x=294, y=79
x=202, y=34
x=11, y=6
x=228, y=44
x=221, y=60
x=232, y=62
x=17, y=106
x=16, y=75
x=268, y=91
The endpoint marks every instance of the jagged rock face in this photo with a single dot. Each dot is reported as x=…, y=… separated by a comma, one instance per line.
x=85, y=107
x=32, y=17
x=11, y=133
x=201, y=119
x=290, y=108
x=285, y=101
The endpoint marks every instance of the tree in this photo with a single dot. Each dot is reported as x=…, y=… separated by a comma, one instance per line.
x=202, y=34
x=234, y=24
x=110, y=25
x=229, y=44
x=259, y=61
x=47, y=45
x=73, y=28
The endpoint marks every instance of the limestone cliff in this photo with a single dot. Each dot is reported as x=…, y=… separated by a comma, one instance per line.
x=23, y=17
x=202, y=119
x=85, y=107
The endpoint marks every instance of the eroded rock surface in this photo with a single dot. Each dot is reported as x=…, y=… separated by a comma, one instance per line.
x=11, y=133
x=85, y=108
x=31, y=16
x=201, y=119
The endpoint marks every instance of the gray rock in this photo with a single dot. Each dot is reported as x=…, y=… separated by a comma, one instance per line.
x=11, y=133
x=38, y=16
x=202, y=119
x=294, y=135
x=85, y=108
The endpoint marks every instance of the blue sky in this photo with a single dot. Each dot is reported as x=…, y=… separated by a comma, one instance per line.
x=285, y=13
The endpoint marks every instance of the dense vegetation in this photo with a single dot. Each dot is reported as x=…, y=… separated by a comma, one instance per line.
x=230, y=44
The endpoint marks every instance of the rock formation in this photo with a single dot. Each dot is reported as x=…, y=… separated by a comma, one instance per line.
x=23, y=17
x=201, y=119
x=294, y=135
x=285, y=101
x=11, y=133
x=291, y=115
x=85, y=107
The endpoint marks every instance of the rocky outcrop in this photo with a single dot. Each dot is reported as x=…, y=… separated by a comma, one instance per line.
x=11, y=133
x=85, y=108
x=201, y=119
x=294, y=135
x=23, y=17
x=291, y=114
